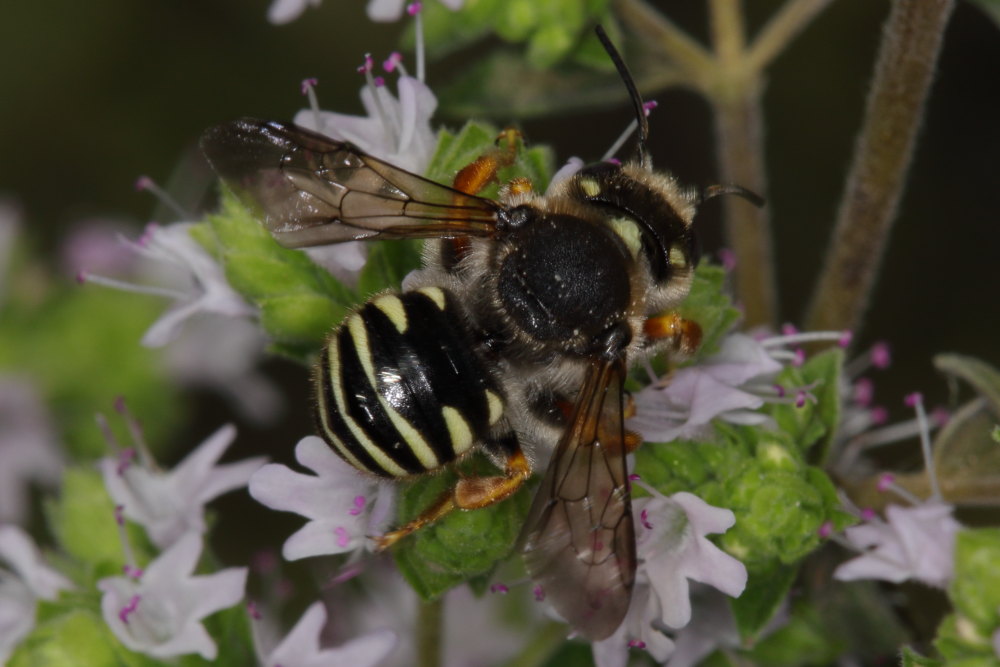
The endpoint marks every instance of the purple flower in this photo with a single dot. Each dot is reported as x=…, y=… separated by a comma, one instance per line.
x=343, y=506
x=301, y=647
x=28, y=581
x=912, y=543
x=671, y=549
x=171, y=504
x=160, y=612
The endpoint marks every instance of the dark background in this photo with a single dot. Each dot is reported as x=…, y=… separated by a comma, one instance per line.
x=95, y=95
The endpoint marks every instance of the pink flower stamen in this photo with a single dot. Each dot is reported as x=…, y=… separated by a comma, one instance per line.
x=867, y=514
x=885, y=481
x=539, y=593
x=845, y=339
x=347, y=573
x=788, y=329
x=359, y=506
x=800, y=357
x=634, y=477
x=253, y=610
x=366, y=66
x=614, y=161
x=648, y=106
x=779, y=390
x=143, y=183
x=864, y=392
x=414, y=8
x=880, y=355
x=825, y=529
x=914, y=399
x=81, y=277
x=393, y=61
x=125, y=458
x=378, y=82
x=499, y=588
x=343, y=537
x=636, y=643
x=120, y=515
x=644, y=520
x=132, y=571
x=129, y=609
x=308, y=84
x=879, y=415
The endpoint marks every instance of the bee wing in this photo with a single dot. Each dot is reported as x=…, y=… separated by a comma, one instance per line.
x=309, y=190
x=579, y=541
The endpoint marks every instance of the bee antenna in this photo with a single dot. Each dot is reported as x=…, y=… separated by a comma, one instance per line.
x=713, y=191
x=633, y=92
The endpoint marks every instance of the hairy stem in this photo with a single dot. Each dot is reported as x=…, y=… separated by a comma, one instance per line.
x=783, y=27
x=735, y=95
x=683, y=52
x=903, y=73
x=430, y=616
x=541, y=646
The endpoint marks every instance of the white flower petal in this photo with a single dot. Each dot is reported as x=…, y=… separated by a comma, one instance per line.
x=176, y=562
x=384, y=11
x=196, y=466
x=19, y=551
x=323, y=537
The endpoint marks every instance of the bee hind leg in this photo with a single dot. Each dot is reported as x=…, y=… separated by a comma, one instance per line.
x=471, y=493
x=682, y=336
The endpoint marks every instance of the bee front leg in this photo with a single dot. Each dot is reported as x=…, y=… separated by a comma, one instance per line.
x=682, y=336
x=471, y=493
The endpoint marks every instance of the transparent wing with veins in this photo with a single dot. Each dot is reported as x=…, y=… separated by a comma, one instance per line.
x=310, y=190
x=579, y=541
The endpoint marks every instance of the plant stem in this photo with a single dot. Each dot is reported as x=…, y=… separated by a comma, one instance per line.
x=677, y=46
x=735, y=95
x=540, y=647
x=783, y=27
x=903, y=73
x=430, y=616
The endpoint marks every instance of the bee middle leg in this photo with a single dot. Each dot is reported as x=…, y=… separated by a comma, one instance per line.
x=471, y=493
x=683, y=336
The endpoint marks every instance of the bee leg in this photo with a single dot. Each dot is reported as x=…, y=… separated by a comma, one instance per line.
x=473, y=179
x=682, y=335
x=470, y=492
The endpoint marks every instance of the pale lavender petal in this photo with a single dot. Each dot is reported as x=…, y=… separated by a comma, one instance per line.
x=283, y=489
x=385, y=10
x=365, y=651
x=704, y=517
x=324, y=537
x=573, y=165
x=613, y=651
x=219, y=590
x=195, y=467
x=193, y=638
x=20, y=552
x=165, y=328
x=285, y=11
x=229, y=476
x=176, y=562
x=315, y=454
x=302, y=641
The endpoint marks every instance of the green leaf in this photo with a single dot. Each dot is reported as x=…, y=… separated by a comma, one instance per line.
x=813, y=423
x=41, y=338
x=76, y=638
x=990, y=7
x=767, y=586
x=83, y=522
x=967, y=457
x=387, y=264
x=804, y=640
x=910, y=658
x=300, y=302
x=709, y=305
x=961, y=643
x=975, y=589
x=464, y=544
x=983, y=377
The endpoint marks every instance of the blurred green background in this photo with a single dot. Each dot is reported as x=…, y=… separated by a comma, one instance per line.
x=94, y=95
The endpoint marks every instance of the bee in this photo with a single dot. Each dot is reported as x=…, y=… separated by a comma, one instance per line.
x=514, y=338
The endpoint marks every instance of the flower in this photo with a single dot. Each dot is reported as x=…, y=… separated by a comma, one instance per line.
x=286, y=11
x=671, y=548
x=340, y=503
x=396, y=129
x=392, y=10
x=170, y=504
x=728, y=385
x=29, y=448
x=20, y=590
x=159, y=612
x=912, y=543
x=195, y=280
x=301, y=647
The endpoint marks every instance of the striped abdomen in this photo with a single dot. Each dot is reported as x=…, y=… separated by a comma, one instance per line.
x=400, y=389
